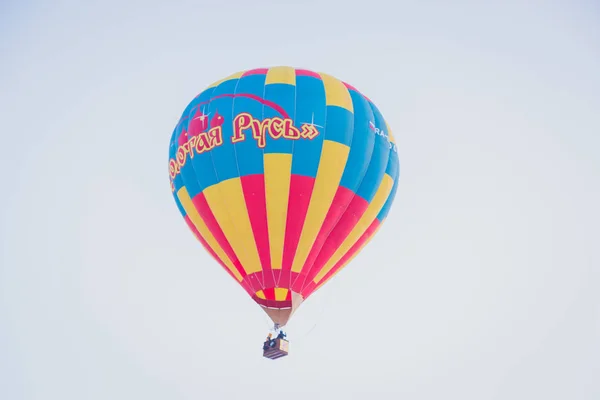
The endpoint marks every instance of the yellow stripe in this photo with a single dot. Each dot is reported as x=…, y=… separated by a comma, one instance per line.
x=336, y=93
x=190, y=210
x=363, y=223
x=237, y=75
x=329, y=174
x=281, y=75
x=226, y=201
x=261, y=295
x=351, y=258
x=278, y=169
x=280, y=294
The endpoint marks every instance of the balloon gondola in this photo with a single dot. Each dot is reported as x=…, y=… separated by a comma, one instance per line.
x=274, y=348
x=283, y=175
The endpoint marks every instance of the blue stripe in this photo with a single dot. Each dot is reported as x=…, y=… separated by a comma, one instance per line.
x=339, y=125
x=180, y=180
x=393, y=169
x=249, y=155
x=388, y=203
x=378, y=163
x=363, y=143
x=171, y=156
x=283, y=95
x=393, y=166
x=198, y=173
x=223, y=156
x=310, y=108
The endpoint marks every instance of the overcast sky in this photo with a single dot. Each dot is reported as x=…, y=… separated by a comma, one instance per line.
x=482, y=284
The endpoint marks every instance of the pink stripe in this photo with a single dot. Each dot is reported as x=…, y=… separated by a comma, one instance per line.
x=277, y=277
x=209, y=219
x=305, y=72
x=257, y=71
x=349, y=86
x=278, y=273
x=253, y=187
x=310, y=288
x=269, y=293
x=346, y=223
x=340, y=202
x=301, y=188
x=273, y=303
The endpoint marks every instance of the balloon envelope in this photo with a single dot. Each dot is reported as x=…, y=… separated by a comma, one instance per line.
x=283, y=175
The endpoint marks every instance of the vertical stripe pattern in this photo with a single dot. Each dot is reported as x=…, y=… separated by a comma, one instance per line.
x=283, y=175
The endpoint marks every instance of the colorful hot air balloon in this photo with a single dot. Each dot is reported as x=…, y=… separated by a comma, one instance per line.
x=283, y=175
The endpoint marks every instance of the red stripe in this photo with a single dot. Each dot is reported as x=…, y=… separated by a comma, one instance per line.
x=346, y=223
x=305, y=72
x=253, y=187
x=210, y=251
x=340, y=202
x=257, y=71
x=309, y=289
x=269, y=293
x=209, y=219
x=301, y=188
x=194, y=230
x=289, y=278
x=272, y=303
x=349, y=86
x=277, y=277
x=270, y=296
x=278, y=274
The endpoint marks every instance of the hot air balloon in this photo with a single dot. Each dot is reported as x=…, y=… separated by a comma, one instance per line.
x=283, y=175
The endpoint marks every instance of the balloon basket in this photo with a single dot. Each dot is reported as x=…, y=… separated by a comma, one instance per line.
x=276, y=348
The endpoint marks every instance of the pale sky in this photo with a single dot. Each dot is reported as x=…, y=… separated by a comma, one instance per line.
x=482, y=284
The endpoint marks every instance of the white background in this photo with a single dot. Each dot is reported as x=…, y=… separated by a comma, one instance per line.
x=483, y=283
